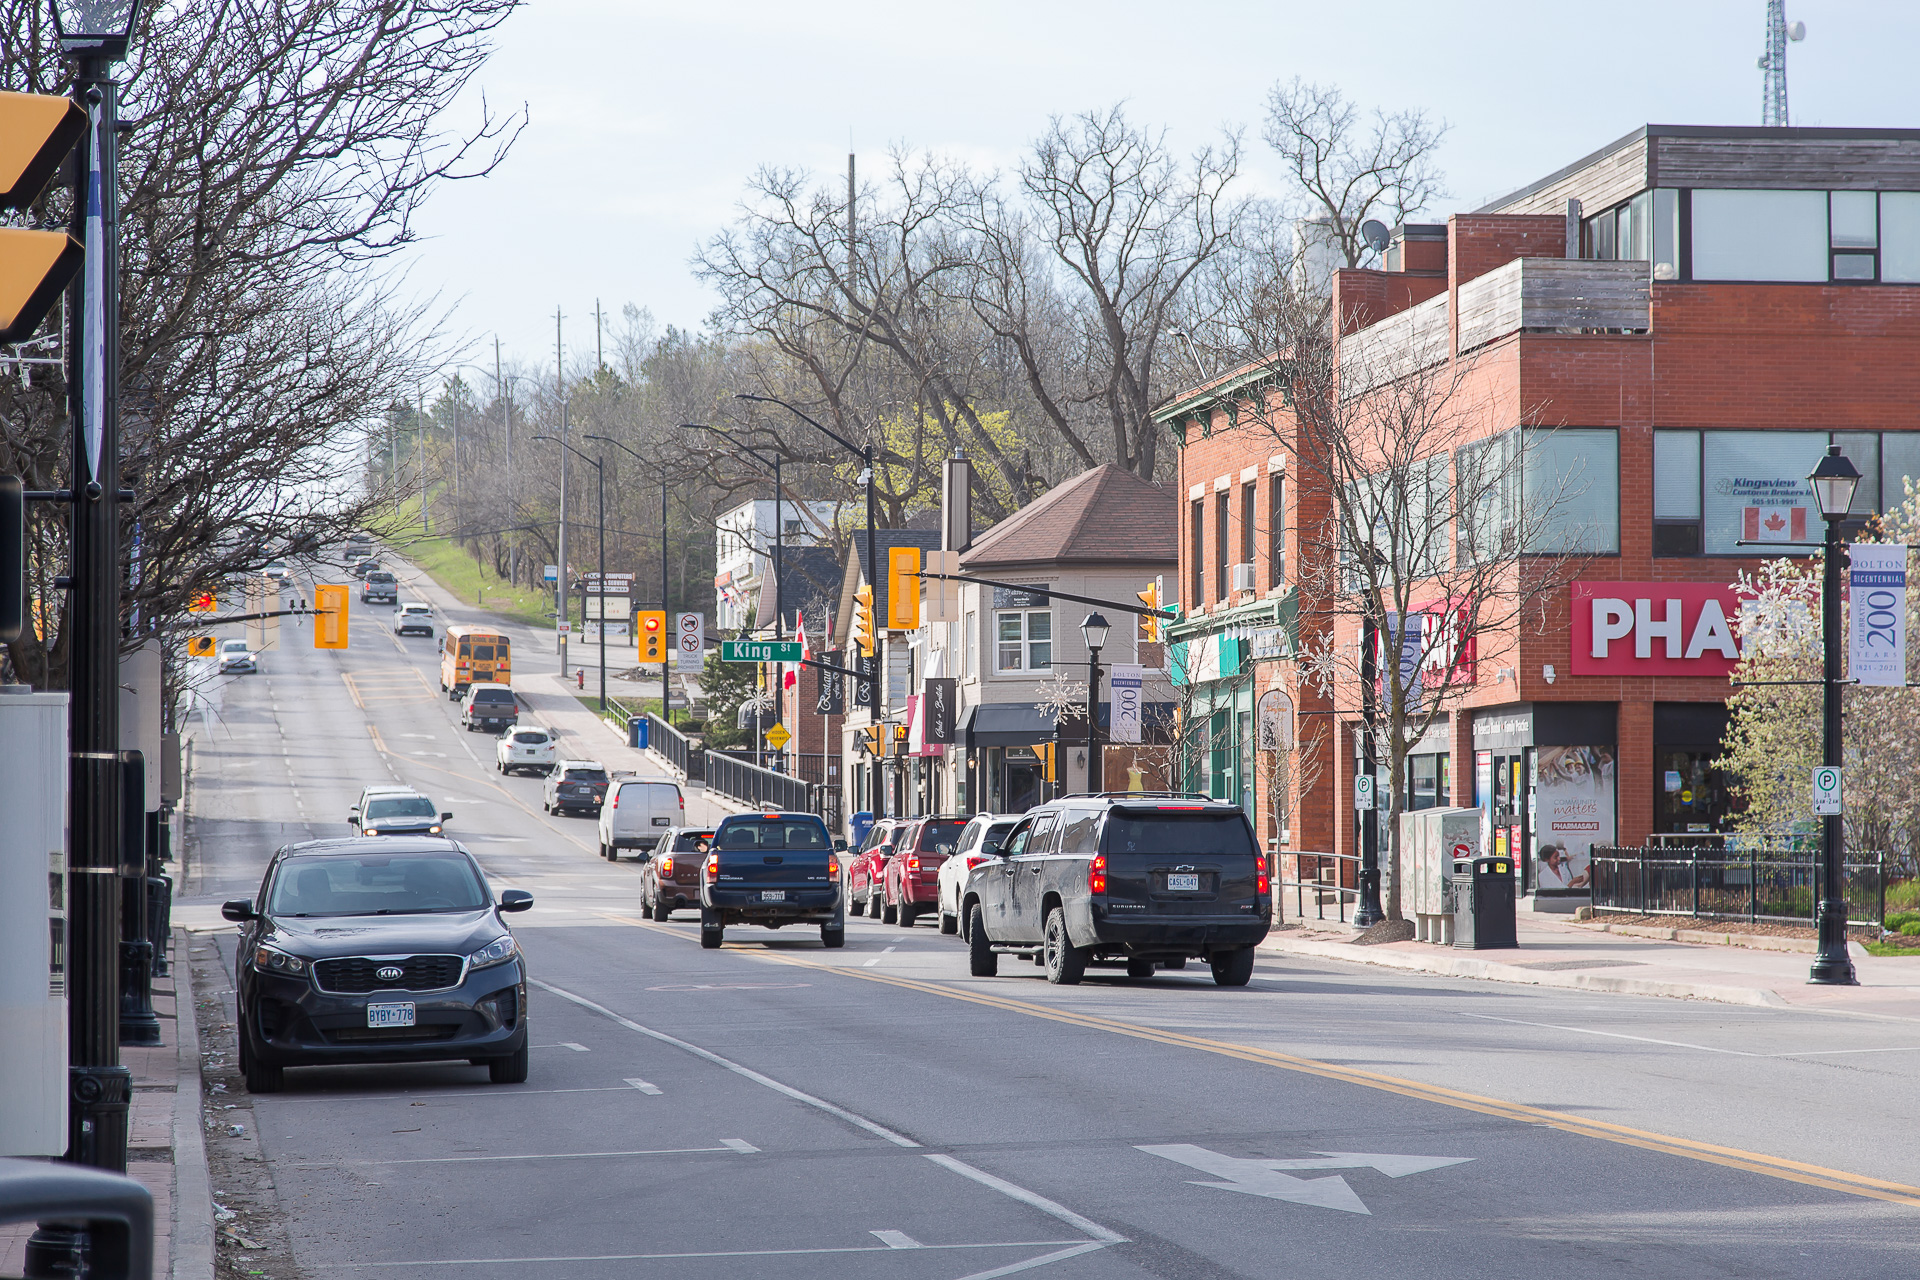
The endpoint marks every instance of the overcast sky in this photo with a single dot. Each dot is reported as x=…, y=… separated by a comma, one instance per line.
x=647, y=117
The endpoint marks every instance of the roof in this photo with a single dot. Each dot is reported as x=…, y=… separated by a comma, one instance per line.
x=385, y=846
x=1108, y=514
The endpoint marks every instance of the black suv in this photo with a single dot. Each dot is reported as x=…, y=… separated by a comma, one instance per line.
x=1124, y=879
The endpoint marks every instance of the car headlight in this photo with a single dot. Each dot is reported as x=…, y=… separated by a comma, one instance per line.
x=372, y=831
x=274, y=960
x=498, y=951
x=433, y=831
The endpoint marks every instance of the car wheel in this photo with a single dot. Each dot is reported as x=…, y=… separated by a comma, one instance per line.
x=873, y=904
x=949, y=925
x=982, y=960
x=662, y=909
x=831, y=937
x=889, y=913
x=906, y=913
x=713, y=929
x=260, y=1077
x=1066, y=963
x=1139, y=968
x=1232, y=968
x=511, y=1069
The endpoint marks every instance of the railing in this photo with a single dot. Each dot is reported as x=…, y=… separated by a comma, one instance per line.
x=1577, y=295
x=1325, y=886
x=680, y=751
x=1763, y=884
x=760, y=788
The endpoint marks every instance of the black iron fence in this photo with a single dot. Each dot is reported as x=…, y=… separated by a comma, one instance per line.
x=761, y=788
x=1318, y=886
x=1721, y=883
x=679, y=750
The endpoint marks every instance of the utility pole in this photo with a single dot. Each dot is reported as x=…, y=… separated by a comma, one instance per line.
x=560, y=575
x=666, y=706
x=599, y=354
x=459, y=384
x=420, y=452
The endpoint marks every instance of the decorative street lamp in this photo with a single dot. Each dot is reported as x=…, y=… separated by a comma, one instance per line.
x=90, y=29
x=1094, y=632
x=1833, y=482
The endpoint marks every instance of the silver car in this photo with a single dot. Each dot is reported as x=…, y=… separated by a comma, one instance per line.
x=235, y=656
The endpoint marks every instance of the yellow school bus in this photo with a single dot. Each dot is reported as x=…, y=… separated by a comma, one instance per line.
x=473, y=655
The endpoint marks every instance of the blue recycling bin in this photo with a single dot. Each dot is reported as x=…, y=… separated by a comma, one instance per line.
x=858, y=826
x=637, y=732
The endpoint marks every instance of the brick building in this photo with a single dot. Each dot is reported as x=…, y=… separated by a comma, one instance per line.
x=1684, y=320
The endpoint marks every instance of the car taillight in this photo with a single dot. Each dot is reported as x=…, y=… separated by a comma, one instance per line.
x=1265, y=882
x=913, y=864
x=713, y=866
x=666, y=865
x=833, y=868
x=975, y=859
x=616, y=801
x=1097, y=875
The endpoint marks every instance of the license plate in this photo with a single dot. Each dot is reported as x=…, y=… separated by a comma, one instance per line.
x=1178, y=883
x=663, y=822
x=390, y=1015
x=773, y=895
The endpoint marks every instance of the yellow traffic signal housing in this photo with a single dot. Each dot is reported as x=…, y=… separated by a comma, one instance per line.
x=36, y=133
x=1046, y=751
x=870, y=740
x=863, y=619
x=1149, y=624
x=35, y=266
x=903, y=588
x=200, y=646
x=203, y=603
x=329, y=617
x=652, y=624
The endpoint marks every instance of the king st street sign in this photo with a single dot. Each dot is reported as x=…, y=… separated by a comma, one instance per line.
x=759, y=651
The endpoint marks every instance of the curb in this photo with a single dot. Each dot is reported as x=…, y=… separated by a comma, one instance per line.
x=193, y=1257
x=1493, y=971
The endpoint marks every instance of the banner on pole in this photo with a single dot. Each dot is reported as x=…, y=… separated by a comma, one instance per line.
x=1877, y=639
x=1124, y=719
x=830, y=695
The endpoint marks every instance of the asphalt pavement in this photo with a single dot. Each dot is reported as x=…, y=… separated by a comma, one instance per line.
x=773, y=1108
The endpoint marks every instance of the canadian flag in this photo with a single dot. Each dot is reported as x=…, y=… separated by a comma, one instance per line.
x=1775, y=524
x=792, y=677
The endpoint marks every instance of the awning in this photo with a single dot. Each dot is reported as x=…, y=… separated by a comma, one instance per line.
x=1004, y=724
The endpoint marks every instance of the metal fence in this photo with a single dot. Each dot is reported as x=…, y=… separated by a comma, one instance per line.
x=761, y=788
x=1322, y=886
x=679, y=750
x=1718, y=883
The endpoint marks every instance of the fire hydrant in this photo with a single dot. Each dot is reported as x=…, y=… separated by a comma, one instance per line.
x=580, y=676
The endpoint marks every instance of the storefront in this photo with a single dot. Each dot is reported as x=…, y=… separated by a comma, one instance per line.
x=1004, y=773
x=1545, y=781
x=1691, y=796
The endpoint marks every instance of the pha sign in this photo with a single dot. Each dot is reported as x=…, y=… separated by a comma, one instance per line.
x=1654, y=629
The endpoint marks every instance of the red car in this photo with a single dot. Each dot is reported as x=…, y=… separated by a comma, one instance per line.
x=864, y=881
x=912, y=875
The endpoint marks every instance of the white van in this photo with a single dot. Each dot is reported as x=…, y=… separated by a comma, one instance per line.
x=637, y=813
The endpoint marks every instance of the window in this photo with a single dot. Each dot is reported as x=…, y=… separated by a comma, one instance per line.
x=1082, y=833
x=1900, y=236
x=1486, y=485
x=1276, y=529
x=1223, y=512
x=1571, y=485
x=1676, y=493
x=1758, y=492
x=1853, y=231
x=1760, y=235
x=1900, y=462
x=1025, y=640
x=967, y=641
x=1197, y=556
x=1247, y=524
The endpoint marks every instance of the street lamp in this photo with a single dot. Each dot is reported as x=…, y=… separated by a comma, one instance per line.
x=1094, y=632
x=95, y=29
x=1833, y=482
x=600, y=473
x=666, y=709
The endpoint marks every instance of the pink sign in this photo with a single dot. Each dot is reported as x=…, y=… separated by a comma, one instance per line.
x=1654, y=628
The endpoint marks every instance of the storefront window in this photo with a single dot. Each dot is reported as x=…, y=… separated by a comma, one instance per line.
x=1428, y=784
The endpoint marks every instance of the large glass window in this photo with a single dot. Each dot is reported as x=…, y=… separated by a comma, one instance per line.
x=1025, y=640
x=1899, y=463
x=1760, y=235
x=1487, y=484
x=1900, y=236
x=1572, y=490
x=1756, y=491
x=1853, y=222
x=1676, y=493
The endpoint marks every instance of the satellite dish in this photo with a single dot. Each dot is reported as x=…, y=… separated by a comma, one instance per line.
x=1797, y=31
x=1375, y=233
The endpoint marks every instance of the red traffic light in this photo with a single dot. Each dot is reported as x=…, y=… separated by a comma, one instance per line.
x=203, y=603
x=653, y=623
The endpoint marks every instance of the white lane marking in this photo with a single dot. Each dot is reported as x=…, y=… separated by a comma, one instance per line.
x=1616, y=1035
x=1026, y=1197
x=1041, y=1261
x=896, y=1239
x=644, y=1087
x=556, y=1155
x=564, y=1044
x=732, y=1253
x=1823, y=1053
x=868, y=964
x=841, y=1113
x=331, y=1098
x=741, y=1145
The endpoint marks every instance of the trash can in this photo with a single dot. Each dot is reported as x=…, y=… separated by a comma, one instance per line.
x=858, y=826
x=1483, y=904
x=637, y=728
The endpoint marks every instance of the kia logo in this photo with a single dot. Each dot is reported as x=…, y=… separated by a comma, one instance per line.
x=389, y=973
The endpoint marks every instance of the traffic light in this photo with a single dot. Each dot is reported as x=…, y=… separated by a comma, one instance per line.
x=863, y=619
x=899, y=740
x=199, y=646
x=653, y=634
x=1046, y=752
x=203, y=603
x=36, y=133
x=903, y=588
x=870, y=740
x=1149, y=624
x=329, y=617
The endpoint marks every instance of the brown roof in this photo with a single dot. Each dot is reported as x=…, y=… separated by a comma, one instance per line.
x=1108, y=514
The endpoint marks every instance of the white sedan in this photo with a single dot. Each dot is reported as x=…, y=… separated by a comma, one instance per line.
x=527, y=747
x=979, y=840
x=235, y=656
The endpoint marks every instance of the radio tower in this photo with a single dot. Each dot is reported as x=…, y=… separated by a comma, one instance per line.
x=1773, y=93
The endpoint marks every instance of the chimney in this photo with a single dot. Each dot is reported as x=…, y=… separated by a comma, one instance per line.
x=1573, y=228
x=956, y=503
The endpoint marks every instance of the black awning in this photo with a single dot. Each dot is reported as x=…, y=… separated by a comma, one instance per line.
x=1004, y=724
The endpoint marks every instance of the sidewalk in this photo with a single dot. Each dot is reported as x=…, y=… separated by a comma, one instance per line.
x=1561, y=953
x=166, y=1147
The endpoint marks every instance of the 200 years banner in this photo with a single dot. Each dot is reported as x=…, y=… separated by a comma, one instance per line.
x=1877, y=643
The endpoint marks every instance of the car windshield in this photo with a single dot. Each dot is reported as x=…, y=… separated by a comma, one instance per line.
x=586, y=775
x=404, y=884
x=692, y=841
x=941, y=834
x=531, y=739
x=234, y=646
x=774, y=833
x=401, y=807
x=1178, y=834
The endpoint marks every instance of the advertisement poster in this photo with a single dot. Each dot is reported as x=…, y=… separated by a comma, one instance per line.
x=1574, y=801
x=1877, y=648
x=1124, y=718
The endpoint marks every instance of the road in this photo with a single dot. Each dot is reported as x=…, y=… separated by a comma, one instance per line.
x=776, y=1109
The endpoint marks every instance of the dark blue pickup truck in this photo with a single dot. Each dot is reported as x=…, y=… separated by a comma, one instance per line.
x=772, y=869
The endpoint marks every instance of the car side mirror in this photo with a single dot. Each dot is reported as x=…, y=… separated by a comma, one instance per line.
x=354, y=819
x=516, y=900
x=446, y=817
x=839, y=846
x=240, y=910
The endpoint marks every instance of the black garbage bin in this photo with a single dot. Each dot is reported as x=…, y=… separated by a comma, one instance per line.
x=1483, y=905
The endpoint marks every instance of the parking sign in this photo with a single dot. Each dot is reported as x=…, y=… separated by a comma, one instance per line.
x=1826, y=789
x=1363, y=791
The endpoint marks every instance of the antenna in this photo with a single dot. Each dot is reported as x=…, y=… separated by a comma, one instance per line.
x=1375, y=233
x=1773, y=93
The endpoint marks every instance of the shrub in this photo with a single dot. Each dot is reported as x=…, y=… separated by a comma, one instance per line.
x=1911, y=929
x=1898, y=919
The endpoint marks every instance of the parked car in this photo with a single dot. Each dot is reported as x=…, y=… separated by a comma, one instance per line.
x=637, y=813
x=397, y=811
x=911, y=876
x=771, y=869
x=863, y=878
x=235, y=656
x=575, y=786
x=670, y=880
x=379, y=587
x=984, y=834
x=489, y=706
x=1132, y=880
x=526, y=747
x=414, y=619
x=348, y=956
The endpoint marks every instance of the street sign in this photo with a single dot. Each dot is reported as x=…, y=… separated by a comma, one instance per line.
x=563, y=627
x=760, y=651
x=778, y=737
x=552, y=573
x=1363, y=791
x=690, y=642
x=1826, y=789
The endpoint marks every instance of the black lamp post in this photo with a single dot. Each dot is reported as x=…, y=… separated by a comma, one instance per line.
x=1833, y=482
x=600, y=473
x=1094, y=632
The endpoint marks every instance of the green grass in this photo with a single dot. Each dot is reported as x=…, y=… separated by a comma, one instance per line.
x=449, y=565
x=1889, y=949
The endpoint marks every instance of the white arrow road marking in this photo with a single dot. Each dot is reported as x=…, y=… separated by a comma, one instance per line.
x=897, y=1240
x=741, y=1145
x=644, y=1087
x=1264, y=1177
